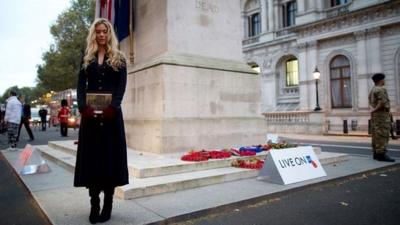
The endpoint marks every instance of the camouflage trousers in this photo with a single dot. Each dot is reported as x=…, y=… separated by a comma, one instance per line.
x=380, y=136
x=12, y=131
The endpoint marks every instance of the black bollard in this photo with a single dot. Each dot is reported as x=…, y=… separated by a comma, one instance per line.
x=398, y=127
x=345, y=127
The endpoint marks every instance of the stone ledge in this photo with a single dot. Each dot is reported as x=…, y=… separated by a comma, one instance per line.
x=187, y=60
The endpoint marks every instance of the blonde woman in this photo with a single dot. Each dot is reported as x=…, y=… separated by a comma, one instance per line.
x=101, y=162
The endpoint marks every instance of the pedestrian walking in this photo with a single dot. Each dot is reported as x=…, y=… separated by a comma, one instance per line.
x=63, y=115
x=3, y=124
x=380, y=118
x=43, y=118
x=26, y=115
x=101, y=162
x=12, y=118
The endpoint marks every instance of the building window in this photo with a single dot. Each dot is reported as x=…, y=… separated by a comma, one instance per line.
x=338, y=2
x=340, y=75
x=289, y=13
x=254, y=24
x=292, y=73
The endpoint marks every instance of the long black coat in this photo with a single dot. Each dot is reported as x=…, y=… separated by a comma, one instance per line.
x=101, y=157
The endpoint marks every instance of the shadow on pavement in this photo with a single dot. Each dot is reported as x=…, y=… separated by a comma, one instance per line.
x=17, y=206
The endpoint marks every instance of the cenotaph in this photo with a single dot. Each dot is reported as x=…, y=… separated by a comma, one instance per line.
x=189, y=87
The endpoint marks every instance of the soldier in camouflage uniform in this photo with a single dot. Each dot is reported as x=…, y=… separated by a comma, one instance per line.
x=380, y=118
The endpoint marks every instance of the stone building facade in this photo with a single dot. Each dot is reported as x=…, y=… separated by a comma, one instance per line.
x=347, y=40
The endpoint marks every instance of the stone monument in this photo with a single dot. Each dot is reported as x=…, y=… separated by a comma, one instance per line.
x=189, y=87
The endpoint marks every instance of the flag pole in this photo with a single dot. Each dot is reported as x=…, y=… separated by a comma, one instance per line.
x=131, y=32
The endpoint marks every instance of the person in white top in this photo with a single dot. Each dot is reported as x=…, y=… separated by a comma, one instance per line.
x=13, y=118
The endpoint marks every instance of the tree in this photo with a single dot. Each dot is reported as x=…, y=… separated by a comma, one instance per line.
x=25, y=93
x=62, y=60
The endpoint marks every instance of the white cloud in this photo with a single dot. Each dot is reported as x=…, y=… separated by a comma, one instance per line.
x=25, y=36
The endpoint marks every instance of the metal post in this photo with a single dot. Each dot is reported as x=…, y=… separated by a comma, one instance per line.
x=345, y=127
x=317, y=108
x=398, y=127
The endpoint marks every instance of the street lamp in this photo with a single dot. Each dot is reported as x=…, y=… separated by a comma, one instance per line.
x=316, y=75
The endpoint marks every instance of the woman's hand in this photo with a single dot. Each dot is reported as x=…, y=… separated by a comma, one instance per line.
x=87, y=112
x=109, y=113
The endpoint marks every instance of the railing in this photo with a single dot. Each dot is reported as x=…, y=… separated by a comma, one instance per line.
x=291, y=90
x=251, y=40
x=284, y=31
x=337, y=11
x=295, y=117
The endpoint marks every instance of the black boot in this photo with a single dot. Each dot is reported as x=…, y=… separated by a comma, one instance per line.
x=107, y=205
x=95, y=205
x=384, y=158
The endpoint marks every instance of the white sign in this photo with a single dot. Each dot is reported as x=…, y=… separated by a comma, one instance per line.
x=291, y=165
x=30, y=162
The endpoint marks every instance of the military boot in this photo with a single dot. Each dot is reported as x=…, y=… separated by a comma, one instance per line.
x=384, y=158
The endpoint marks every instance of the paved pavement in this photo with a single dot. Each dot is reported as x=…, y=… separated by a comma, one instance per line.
x=17, y=205
x=16, y=202
x=63, y=204
x=363, y=199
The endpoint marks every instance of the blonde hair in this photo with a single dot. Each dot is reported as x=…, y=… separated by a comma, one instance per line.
x=115, y=57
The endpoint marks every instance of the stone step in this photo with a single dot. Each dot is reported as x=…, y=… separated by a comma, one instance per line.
x=141, y=187
x=169, y=182
x=177, y=166
x=61, y=158
x=66, y=146
x=143, y=164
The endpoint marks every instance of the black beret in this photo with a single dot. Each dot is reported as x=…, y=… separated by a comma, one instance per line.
x=378, y=76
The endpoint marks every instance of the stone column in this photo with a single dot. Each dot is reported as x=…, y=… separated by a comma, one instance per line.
x=269, y=91
x=264, y=16
x=319, y=4
x=277, y=17
x=301, y=6
x=189, y=88
x=374, y=50
x=303, y=77
x=245, y=26
x=362, y=74
x=270, y=15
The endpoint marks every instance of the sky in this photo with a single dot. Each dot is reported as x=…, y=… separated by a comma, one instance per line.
x=25, y=36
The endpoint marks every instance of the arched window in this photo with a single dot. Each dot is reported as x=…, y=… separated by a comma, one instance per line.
x=340, y=76
x=292, y=73
x=287, y=75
